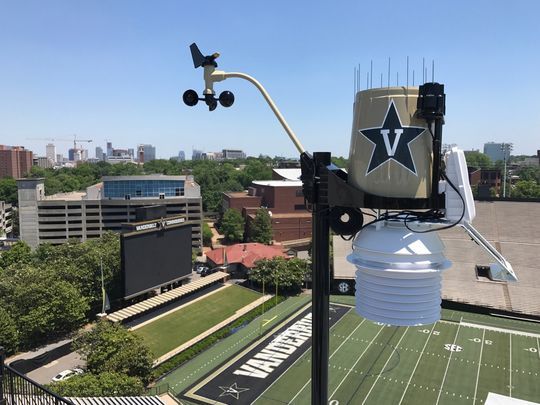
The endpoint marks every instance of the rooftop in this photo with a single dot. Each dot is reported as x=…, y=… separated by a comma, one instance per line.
x=244, y=253
x=278, y=183
x=513, y=228
x=289, y=174
x=72, y=196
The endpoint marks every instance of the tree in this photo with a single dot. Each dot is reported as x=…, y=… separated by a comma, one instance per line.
x=477, y=160
x=232, y=225
x=289, y=274
x=529, y=173
x=43, y=305
x=8, y=190
x=99, y=385
x=261, y=228
x=9, y=335
x=109, y=347
x=207, y=235
x=526, y=189
x=20, y=253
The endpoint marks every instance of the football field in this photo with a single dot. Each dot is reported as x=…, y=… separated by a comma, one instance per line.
x=445, y=363
x=458, y=360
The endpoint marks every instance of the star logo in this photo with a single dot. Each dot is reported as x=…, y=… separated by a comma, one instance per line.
x=391, y=141
x=233, y=391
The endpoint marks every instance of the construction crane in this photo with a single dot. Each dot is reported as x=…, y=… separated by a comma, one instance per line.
x=74, y=140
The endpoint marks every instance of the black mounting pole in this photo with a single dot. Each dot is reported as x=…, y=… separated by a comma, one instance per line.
x=320, y=280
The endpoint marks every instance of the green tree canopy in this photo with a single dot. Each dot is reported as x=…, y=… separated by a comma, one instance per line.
x=232, y=226
x=8, y=190
x=9, y=334
x=477, y=160
x=110, y=347
x=207, y=235
x=20, y=253
x=43, y=305
x=526, y=189
x=289, y=274
x=261, y=228
x=99, y=385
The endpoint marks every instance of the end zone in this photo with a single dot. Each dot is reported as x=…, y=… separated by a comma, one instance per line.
x=247, y=375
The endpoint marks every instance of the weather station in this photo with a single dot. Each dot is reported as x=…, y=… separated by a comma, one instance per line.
x=398, y=172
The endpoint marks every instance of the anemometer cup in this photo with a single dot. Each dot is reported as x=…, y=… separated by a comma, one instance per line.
x=190, y=98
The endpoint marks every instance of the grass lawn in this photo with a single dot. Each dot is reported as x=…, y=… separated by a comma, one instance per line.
x=169, y=332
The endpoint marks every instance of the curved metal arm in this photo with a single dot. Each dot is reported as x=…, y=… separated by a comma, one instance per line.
x=217, y=76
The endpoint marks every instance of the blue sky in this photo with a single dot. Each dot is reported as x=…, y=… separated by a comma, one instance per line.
x=116, y=70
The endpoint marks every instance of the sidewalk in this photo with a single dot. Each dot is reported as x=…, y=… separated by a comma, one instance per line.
x=213, y=329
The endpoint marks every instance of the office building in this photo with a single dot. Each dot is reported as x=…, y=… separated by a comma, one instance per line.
x=284, y=201
x=181, y=156
x=50, y=152
x=43, y=162
x=233, y=154
x=497, y=151
x=6, y=223
x=146, y=153
x=109, y=149
x=103, y=207
x=99, y=153
x=196, y=154
x=15, y=161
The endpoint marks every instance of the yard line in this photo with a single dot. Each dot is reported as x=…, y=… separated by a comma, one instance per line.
x=479, y=364
x=332, y=355
x=416, y=365
x=510, y=366
x=447, y=366
x=538, y=346
x=356, y=362
x=385, y=364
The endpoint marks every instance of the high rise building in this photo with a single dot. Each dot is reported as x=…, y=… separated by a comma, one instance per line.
x=109, y=149
x=197, y=154
x=498, y=151
x=149, y=152
x=50, y=152
x=99, y=153
x=15, y=161
x=181, y=156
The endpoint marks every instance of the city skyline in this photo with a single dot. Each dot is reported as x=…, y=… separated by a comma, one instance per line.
x=98, y=69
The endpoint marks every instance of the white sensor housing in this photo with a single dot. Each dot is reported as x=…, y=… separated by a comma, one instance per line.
x=398, y=277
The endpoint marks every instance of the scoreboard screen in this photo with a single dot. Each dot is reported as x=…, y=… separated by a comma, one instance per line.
x=155, y=253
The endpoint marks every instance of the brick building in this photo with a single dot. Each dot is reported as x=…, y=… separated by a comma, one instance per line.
x=15, y=161
x=284, y=201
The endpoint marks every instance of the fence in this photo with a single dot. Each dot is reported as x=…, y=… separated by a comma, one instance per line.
x=17, y=389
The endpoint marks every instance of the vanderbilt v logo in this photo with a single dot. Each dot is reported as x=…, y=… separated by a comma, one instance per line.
x=391, y=150
x=391, y=142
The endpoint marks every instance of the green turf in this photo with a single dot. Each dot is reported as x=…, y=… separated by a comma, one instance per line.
x=169, y=332
x=377, y=364
x=187, y=374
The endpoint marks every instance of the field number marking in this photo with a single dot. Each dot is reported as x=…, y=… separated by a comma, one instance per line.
x=415, y=366
x=479, y=365
x=531, y=349
x=448, y=364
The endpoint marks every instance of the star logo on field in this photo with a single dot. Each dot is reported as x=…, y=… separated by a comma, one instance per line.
x=233, y=391
x=391, y=141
